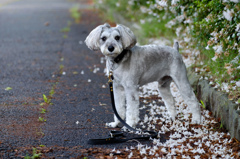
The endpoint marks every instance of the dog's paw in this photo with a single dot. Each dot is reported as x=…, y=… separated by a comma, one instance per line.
x=173, y=115
x=112, y=124
x=196, y=119
x=133, y=123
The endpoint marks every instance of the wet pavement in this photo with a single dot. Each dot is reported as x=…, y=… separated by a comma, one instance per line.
x=42, y=51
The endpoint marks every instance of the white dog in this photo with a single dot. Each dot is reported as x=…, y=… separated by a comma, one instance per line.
x=133, y=66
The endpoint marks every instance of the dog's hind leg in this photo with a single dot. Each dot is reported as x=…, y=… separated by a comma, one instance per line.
x=120, y=103
x=164, y=89
x=188, y=95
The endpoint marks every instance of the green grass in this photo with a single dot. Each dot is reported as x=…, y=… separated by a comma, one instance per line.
x=35, y=154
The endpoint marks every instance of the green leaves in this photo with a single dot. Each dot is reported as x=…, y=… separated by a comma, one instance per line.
x=43, y=111
x=203, y=105
x=46, y=100
x=35, y=154
x=8, y=88
x=41, y=119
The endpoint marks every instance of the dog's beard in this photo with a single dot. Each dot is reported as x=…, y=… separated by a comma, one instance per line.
x=115, y=53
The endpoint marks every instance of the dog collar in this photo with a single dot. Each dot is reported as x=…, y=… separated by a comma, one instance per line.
x=121, y=56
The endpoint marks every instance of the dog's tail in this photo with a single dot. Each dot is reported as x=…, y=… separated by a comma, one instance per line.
x=176, y=45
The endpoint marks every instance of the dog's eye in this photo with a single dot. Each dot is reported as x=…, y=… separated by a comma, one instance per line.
x=117, y=38
x=104, y=38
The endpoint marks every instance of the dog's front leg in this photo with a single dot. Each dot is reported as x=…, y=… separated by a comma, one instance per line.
x=132, y=113
x=120, y=103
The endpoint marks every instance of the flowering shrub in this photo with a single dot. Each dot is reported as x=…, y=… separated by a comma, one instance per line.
x=215, y=25
x=211, y=26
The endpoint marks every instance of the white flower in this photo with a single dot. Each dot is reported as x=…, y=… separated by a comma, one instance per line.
x=170, y=24
x=142, y=21
x=187, y=39
x=207, y=19
x=207, y=48
x=178, y=30
x=96, y=69
x=225, y=86
x=130, y=155
x=238, y=83
x=218, y=49
x=102, y=59
x=118, y=152
x=143, y=151
x=228, y=14
x=197, y=157
x=174, y=2
x=238, y=28
x=113, y=150
x=214, y=58
x=213, y=33
x=145, y=118
x=164, y=150
x=235, y=1
x=188, y=21
x=162, y=3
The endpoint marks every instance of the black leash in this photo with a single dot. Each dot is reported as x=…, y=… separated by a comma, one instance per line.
x=118, y=136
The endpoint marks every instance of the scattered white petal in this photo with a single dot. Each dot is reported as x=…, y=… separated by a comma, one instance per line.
x=80, y=42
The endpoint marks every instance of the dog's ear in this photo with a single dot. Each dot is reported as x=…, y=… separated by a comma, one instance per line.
x=128, y=37
x=92, y=40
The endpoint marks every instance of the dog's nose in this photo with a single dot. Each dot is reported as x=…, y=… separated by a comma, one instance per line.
x=110, y=48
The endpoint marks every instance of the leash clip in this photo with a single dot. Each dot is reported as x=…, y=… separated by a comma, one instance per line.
x=110, y=77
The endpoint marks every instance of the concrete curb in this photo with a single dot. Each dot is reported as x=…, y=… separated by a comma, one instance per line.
x=218, y=103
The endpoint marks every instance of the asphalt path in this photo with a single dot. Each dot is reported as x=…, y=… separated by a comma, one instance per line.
x=42, y=52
